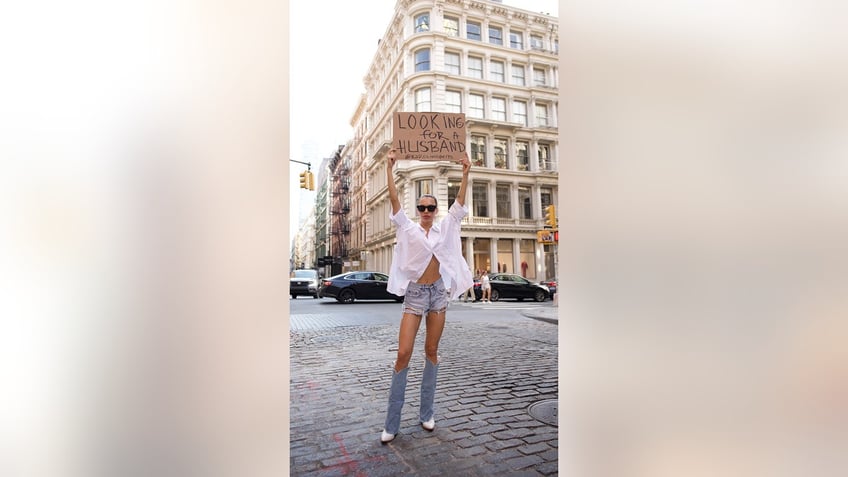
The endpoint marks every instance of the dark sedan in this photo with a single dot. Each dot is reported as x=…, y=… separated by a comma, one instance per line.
x=351, y=286
x=508, y=285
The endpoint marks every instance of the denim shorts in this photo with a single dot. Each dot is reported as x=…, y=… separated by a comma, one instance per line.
x=420, y=299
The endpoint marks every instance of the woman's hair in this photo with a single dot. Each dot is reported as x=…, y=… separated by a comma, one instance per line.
x=430, y=196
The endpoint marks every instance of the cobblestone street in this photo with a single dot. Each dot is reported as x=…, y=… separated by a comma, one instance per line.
x=490, y=377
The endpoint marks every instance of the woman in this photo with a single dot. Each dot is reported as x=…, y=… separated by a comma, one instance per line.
x=485, y=287
x=427, y=261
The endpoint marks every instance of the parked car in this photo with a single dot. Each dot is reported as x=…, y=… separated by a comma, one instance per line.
x=509, y=285
x=304, y=282
x=361, y=285
x=551, y=283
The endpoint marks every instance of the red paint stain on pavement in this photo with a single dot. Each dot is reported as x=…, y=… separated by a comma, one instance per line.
x=350, y=466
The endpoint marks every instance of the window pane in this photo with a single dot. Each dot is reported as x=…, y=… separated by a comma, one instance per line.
x=496, y=69
x=451, y=26
x=522, y=158
x=519, y=112
x=480, y=198
x=475, y=67
x=472, y=31
x=422, y=23
x=495, y=36
x=539, y=77
x=453, y=101
x=475, y=106
x=525, y=202
x=505, y=257
x=502, y=201
x=478, y=150
x=423, y=187
x=422, y=100
x=501, y=161
x=545, y=163
x=541, y=115
x=518, y=75
x=422, y=60
x=499, y=109
x=536, y=42
x=452, y=63
x=546, y=197
x=516, y=40
x=453, y=189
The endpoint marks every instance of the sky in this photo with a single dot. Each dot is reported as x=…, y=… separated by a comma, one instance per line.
x=331, y=48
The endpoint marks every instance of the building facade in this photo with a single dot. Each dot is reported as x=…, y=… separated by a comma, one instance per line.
x=499, y=66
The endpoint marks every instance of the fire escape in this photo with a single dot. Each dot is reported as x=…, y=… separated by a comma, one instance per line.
x=340, y=207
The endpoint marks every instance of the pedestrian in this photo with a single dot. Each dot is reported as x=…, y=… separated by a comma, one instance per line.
x=470, y=292
x=427, y=261
x=486, y=287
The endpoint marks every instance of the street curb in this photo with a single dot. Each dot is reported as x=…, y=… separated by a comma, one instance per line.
x=541, y=317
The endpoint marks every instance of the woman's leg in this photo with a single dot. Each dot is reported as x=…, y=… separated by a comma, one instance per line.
x=397, y=392
x=435, y=327
x=409, y=325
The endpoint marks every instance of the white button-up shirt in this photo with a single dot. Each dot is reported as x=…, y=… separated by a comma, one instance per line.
x=415, y=248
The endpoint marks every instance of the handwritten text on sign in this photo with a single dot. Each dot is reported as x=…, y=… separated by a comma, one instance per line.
x=429, y=136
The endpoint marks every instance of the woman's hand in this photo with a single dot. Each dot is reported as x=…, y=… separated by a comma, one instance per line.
x=392, y=158
x=466, y=165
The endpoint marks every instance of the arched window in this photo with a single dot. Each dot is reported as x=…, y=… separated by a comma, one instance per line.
x=422, y=59
x=422, y=23
x=422, y=100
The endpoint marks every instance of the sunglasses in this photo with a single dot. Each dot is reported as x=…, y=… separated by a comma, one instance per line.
x=428, y=208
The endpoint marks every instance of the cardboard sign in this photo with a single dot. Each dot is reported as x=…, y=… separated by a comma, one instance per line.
x=429, y=136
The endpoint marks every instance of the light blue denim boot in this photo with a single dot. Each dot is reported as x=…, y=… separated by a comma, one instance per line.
x=397, y=393
x=428, y=393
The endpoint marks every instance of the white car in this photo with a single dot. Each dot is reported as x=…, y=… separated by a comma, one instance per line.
x=304, y=282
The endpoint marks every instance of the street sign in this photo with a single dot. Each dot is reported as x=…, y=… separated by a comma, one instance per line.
x=546, y=237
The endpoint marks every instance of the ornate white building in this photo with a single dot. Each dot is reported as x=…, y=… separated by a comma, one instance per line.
x=498, y=65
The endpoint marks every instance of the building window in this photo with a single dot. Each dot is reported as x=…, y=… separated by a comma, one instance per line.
x=475, y=106
x=422, y=23
x=516, y=40
x=495, y=36
x=472, y=31
x=422, y=60
x=422, y=100
x=545, y=161
x=527, y=250
x=541, y=115
x=453, y=101
x=501, y=158
x=518, y=75
x=422, y=187
x=546, y=197
x=525, y=203
x=482, y=255
x=502, y=201
x=536, y=42
x=519, y=112
x=496, y=71
x=539, y=78
x=499, y=109
x=453, y=190
x=451, y=26
x=452, y=65
x=475, y=67
x=480, y=198
x=505, y=256
x=522, y=158
x=478, y=151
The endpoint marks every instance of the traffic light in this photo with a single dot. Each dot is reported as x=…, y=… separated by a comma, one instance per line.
x=311, y=181
x=304, y=180
x=550, y=216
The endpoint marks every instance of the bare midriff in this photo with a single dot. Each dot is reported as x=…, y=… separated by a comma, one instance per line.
x=431, y=273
